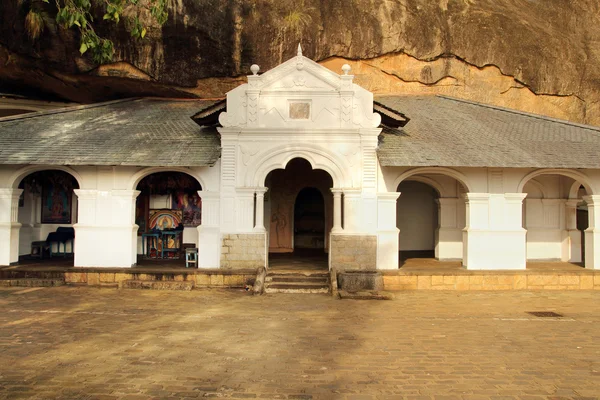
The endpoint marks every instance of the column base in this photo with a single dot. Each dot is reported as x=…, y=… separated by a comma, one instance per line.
x=9, y=243
x=209, y=247
x=592, y=249
x=494, y=250
x=105, y=246
x=356, y=252
x=387, y=249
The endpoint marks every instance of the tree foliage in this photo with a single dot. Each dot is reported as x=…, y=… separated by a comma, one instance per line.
x=78, y=14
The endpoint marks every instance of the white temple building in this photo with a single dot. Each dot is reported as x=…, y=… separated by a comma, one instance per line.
x=300, y=158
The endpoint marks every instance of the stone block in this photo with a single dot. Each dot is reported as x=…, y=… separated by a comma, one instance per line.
x=520, y=282
x=586, y=282
x=75, y=277
x=233, y=280
x=359, y=281
x=93, y=278
x=596, y=280
x=568, y=280
x=542, y=280
x=476, y=280
x=408, y=282
x=462, y=283
x=437, y=280
x=107, y=277
x=423, y=282
x=120, y=277
x=449, y=280
x=202, y=280
x=216, y=280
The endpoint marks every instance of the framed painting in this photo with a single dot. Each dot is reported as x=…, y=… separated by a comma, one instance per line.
x=56, y=204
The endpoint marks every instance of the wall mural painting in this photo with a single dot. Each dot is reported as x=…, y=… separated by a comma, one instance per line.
x=164, y=220
x=191, y=206
x=56, y=199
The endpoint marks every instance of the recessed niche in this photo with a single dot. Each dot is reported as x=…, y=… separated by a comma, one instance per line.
x=299, y=110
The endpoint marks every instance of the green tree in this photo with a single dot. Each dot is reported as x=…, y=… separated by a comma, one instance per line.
x=77, y=14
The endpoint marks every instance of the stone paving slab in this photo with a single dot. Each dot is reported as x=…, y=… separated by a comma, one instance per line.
x=92, y=343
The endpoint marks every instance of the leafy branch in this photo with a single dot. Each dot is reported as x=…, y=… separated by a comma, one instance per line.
x=78, y=14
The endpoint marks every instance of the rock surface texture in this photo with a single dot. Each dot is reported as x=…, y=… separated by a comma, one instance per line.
x=533, y=55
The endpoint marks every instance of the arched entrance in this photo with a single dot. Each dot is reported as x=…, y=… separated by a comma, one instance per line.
x=47, y=213
x=298, y=215
x=168, y=213
x=555, y=216
x=417, y=219
x=431, y=216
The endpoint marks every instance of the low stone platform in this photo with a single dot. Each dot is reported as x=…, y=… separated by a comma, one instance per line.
x=435, y=275
x=219, y=278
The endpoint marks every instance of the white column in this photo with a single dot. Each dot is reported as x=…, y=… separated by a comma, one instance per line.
x=387, y=231
x=209, y=233
x=337, y=210
x=449, y=234
x=259, y=215
x=493, y=237
x=592, y=233
x=106, y=233
x=352, y=210
x=9, y=225
x=245, y=210
x=573, y=235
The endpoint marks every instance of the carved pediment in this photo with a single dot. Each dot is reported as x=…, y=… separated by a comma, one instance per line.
x=300, y=94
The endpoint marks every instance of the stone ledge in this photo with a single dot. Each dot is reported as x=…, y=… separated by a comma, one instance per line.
x=498, y=281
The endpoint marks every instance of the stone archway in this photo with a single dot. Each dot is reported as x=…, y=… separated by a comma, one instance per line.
x=47, y=212
x=556, y=217
x=168, y=215
x=285, y=199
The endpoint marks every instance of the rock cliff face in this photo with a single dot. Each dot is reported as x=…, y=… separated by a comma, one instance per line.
x=541, y=56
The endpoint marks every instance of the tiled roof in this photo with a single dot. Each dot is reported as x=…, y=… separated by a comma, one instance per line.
x=142, y=132
x=456, y=133
x=441, y=131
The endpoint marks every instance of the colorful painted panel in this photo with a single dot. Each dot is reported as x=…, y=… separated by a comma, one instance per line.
x=163, y=219
x=56, y=204
x=191, y=206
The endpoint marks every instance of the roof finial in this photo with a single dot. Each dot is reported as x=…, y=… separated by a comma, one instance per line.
x=299, y=50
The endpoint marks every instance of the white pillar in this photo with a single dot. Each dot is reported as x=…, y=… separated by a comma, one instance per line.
x=9, y=225
x=449, y=239
x=209, y=234
x=259, y=215
x=352, y=210
x=337, y=210
x=244, y=211
x=106, y=233
x=572, y=252
x=387, y=231
x=493, y=237
x=592, y=233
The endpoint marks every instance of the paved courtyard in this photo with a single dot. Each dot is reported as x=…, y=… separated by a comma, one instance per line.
x=88, y=343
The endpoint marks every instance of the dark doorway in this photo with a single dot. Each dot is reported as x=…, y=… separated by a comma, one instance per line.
x=309, y=220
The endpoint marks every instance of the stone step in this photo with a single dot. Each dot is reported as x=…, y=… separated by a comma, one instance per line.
x=32, y=282
x=286, y=288
x=279, y=278
x=157, y=285
x=310, y=272
x=366, y=295
x=299, y=283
